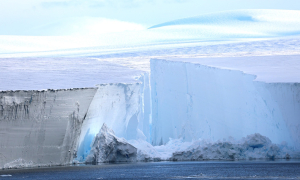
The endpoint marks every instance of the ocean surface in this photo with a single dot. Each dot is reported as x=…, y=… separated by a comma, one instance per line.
x=165, y=170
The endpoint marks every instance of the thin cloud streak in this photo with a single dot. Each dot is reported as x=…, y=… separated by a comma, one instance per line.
x=107, y=3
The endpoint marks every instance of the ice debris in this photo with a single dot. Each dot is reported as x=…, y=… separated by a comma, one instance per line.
x=18, y=163
x=106, y=147
x=254, y=146
x=5, y=175
x=145, y=151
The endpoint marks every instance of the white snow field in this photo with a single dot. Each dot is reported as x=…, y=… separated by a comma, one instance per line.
x=218, y=86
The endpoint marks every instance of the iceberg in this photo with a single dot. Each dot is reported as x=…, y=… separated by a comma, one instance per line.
x=57, y=127
x=106, y=147
x=179, y=111
x=193, y=101
x=180, y=105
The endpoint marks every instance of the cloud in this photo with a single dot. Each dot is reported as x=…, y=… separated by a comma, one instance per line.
x=106, y=3
x=53, y=4
x=83, y=26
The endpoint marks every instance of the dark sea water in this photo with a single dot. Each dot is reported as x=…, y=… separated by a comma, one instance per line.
x=165, y=170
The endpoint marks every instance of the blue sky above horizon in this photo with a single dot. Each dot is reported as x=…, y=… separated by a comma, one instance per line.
x=17, y=17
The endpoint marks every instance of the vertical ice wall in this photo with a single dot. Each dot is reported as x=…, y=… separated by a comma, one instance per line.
x=41, y=127
x=53, y=127
x=287, y=97
x=120, y=107
x=192, y=101
x=145, y=98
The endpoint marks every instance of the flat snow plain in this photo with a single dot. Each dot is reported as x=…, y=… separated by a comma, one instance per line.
x=87, y=59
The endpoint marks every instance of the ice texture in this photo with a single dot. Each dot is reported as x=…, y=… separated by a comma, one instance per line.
x=106, y=147
x=269, y=69
x=18, y=163
x=254, y=146
x=61, y=73
x=192, y=101
x=41, y=128
x=162, y=112
x=117, y=105
x=148, y=152
x=164, y=120
x=145, y=121
x=145, y=151
x=230, y=25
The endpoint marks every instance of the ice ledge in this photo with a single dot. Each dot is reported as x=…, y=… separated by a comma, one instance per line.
x=70, y=89
x=47, y=90
x=266, y=68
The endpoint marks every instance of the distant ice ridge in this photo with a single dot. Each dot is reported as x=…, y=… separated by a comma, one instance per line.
x=234, y=24
x=223, y=26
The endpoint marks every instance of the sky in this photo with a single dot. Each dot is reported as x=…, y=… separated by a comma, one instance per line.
x=29, y=17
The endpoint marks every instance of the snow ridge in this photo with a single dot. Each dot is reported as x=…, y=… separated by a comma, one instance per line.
x=239, y=23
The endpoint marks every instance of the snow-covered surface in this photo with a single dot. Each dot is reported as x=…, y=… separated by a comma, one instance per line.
x=61, y=73
x=270, y=69
x=210, y=27
x=106, y=147
x=250, y=17
x=233, y=33
x=273, y=60
x=234, y=24
x=225, y=74
x=42, y=62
